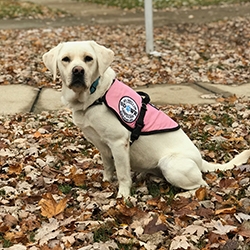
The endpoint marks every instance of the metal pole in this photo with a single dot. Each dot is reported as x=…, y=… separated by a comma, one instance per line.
x=148, y=14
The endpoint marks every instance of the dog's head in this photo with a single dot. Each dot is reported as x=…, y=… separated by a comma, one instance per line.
x=79, y=63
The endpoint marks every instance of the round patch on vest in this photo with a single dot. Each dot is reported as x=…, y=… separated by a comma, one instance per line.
x=128, y=109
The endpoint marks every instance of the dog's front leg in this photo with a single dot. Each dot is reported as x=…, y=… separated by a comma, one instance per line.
x=120, y=152
x=109, y=167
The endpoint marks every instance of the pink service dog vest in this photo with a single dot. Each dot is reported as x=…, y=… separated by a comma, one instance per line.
x=126, y=104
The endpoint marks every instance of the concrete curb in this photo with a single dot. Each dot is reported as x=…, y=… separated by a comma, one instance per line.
x=16, y=98
x=22, y=98
x=203, y=93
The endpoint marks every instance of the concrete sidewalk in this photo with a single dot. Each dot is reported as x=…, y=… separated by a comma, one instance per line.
x=22, y=98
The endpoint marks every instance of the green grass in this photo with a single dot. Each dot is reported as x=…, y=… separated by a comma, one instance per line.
x=154, y=189
x=66, y=188
x=5, y=243
x=14, y=9
x=103, y=233
x=159, y=4
x=162, y=189
x=32, y=237
x=2, y=192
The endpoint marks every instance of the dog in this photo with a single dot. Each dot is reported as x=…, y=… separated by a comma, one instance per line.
x=87, y=77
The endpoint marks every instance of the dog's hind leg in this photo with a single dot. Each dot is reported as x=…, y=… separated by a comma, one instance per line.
x=182, y=172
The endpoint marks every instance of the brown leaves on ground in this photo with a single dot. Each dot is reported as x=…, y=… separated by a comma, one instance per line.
x=49, y=207
x=216, y=52
x=52, y=196
x=51, y=192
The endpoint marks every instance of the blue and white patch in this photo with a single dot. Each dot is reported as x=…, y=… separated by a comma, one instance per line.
x=128, y=109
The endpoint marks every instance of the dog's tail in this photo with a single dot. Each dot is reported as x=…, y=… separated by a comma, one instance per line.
x=236, y=161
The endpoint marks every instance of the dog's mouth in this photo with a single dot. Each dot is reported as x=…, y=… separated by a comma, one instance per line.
x=77, y=79
x=77, y=83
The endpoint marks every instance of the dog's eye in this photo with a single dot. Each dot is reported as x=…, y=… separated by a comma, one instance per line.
x=66, y=59
x=88, y=59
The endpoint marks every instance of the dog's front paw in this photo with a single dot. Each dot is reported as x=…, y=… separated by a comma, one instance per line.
x=186, y=194
x=123, y=192
x=108, y=174
x=107, y=177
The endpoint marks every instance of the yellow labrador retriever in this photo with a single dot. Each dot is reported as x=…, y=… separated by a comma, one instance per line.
x=119, y=135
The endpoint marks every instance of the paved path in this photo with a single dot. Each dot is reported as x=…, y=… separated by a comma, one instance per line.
x=23, y=98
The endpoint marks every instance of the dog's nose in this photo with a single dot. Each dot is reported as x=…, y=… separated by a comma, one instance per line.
x=78, y=70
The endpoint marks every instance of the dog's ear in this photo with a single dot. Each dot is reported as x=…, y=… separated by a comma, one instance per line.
x=50, y=59
x=105, y=56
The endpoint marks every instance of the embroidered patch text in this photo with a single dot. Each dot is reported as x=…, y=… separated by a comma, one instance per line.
x=128, y=109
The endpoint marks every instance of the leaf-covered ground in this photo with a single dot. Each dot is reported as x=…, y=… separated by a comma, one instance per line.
x=52, y=196
x=216, y=52
x=51, y=192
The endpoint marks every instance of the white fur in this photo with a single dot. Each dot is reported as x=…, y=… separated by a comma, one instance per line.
x=172, y=153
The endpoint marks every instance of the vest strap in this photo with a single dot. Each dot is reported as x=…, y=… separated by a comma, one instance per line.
x=99, y=101
x=140, y=121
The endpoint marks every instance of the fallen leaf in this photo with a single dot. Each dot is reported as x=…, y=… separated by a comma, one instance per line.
x=217, y=238
x=179, y=242
x=16, y=169
x=48, y=230
x=195, y=229
x=201, y=193
x=229, y=210
x=154, y=226
x=228, y=182
x=205, y=212
x=245, y=229
x=37, y=134
x=9, y=220
x=242, y=217
x=49, y=207
x=14, y=236
x=222, y=229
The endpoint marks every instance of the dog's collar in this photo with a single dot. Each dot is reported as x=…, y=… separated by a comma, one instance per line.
x=94, y=85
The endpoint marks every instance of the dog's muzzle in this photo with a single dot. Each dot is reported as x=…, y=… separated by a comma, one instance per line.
x=77, y=80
